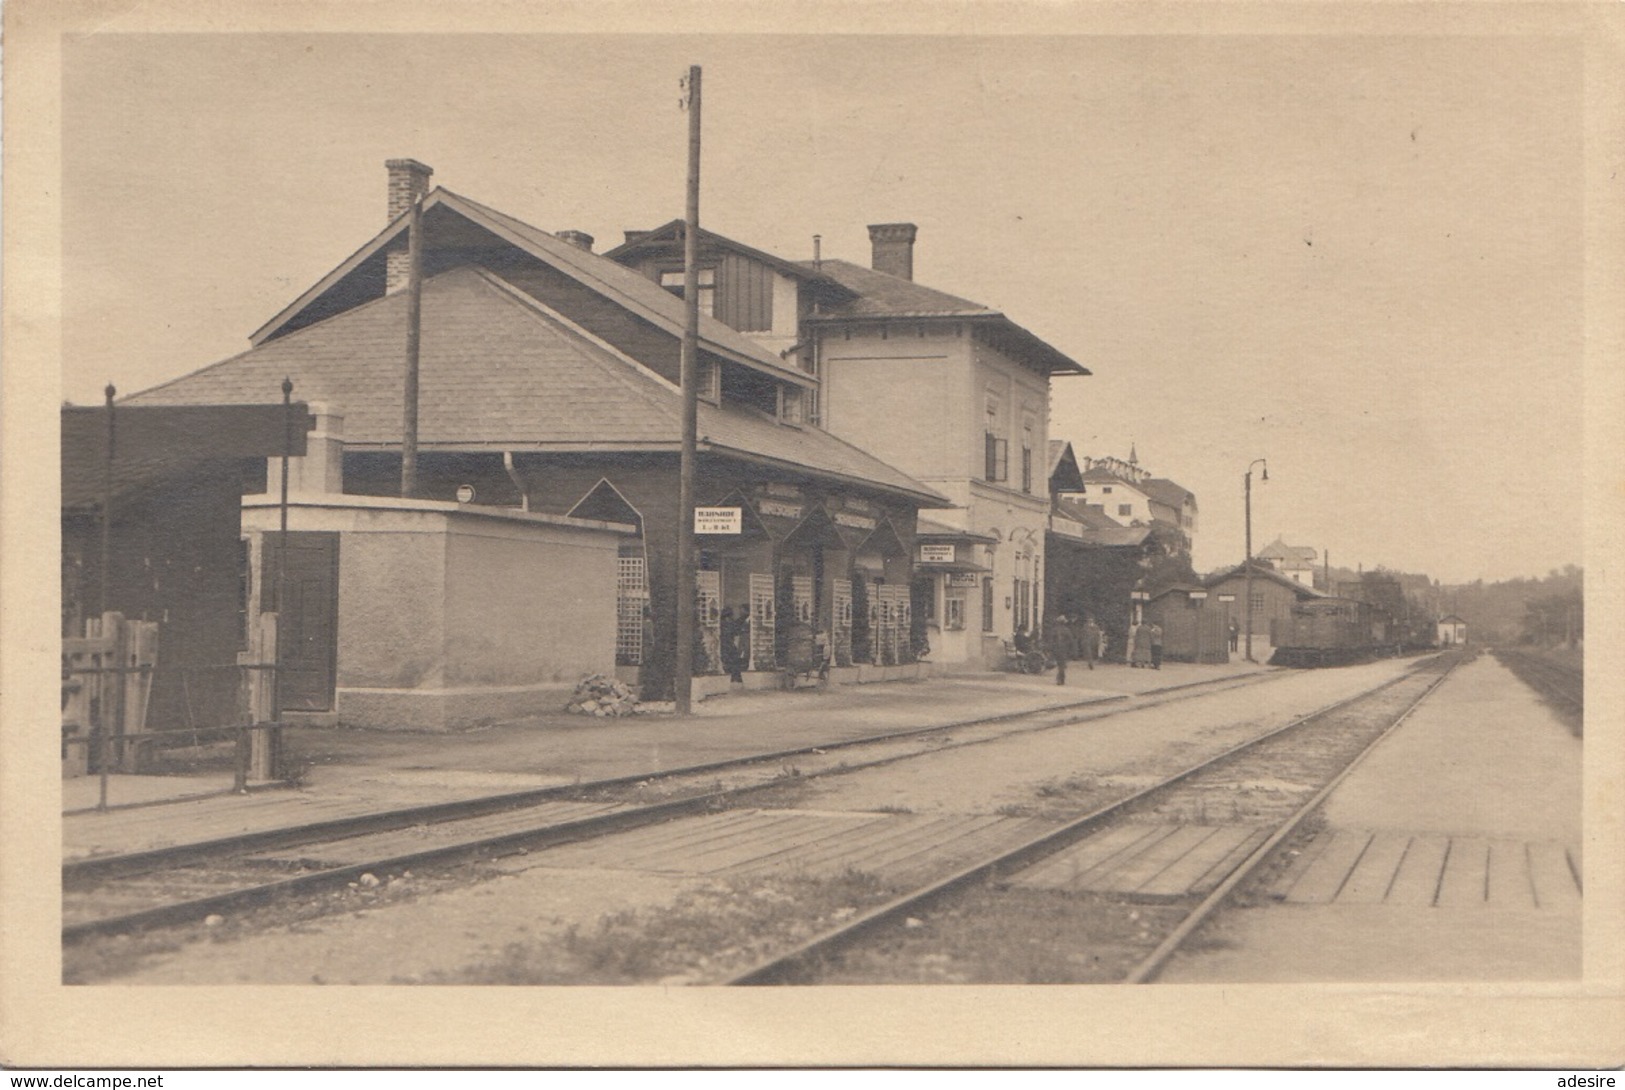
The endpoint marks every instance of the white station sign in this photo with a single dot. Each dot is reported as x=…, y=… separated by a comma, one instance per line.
x=717, y=520
x=936, y=554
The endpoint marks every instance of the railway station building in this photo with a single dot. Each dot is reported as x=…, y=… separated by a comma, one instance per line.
x=952, y=392
x=549, y=416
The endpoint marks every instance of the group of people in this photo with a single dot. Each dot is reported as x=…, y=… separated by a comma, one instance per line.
x=1064, y=643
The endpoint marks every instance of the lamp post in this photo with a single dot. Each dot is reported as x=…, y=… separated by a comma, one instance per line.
x=1248, y=567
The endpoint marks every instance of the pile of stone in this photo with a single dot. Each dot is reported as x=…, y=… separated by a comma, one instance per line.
x=599, y=695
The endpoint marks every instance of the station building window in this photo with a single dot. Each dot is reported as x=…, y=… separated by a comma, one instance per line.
x=672, y=281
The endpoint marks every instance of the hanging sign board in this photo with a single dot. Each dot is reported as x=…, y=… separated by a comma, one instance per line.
x=936, y=554
x=717, y=520
x=962, y=579
x=855, y=522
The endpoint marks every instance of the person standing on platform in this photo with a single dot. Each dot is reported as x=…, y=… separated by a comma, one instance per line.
x=1062, y=645
x=1235, y=636
x=1140, y=644
x=1091, y=640
x=1156, y=646
x=735, y=642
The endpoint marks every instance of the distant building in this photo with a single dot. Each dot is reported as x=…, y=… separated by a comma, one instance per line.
x=1296, y=562
x=1452, y=631
x=1129, y=495
x=1274, y=595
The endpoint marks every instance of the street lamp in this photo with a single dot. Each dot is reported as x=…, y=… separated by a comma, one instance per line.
x=1248, y=567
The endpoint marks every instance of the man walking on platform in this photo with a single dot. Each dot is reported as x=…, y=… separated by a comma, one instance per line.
x=1062, y=644
x=1156, y=646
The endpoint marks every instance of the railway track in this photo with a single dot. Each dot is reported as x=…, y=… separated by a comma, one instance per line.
x=1155, y=863
x=120, y=893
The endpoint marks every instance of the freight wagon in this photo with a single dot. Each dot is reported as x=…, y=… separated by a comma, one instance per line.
x=1332, y=632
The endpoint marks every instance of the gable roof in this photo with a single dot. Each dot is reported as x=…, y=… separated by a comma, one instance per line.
x=501, y=371
x=663, y=236
x=1064, y=475
x=1279, y=549
x=881, y=295
x=1098, y=528
x=1166, y=492
x=1261, y=571
x=1102, y=475
x=359, y=279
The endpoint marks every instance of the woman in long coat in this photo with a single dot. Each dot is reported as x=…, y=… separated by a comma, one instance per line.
x=1139, y=642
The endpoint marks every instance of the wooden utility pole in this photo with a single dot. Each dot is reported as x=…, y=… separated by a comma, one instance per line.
x=683, y=668
x=1248, y=567
x=414, y=331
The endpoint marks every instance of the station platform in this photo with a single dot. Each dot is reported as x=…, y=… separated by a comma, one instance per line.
x=348, y=772
x=1452, y=853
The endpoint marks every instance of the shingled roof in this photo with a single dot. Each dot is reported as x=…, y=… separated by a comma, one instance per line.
x=1165, y=491
x=878, y=295
x=360, y=279
x=501, y=371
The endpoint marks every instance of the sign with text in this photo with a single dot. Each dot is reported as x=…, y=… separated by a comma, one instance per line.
x=936, y=554
x=717, y=520
x=779, y=510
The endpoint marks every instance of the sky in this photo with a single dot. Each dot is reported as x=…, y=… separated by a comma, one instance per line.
x=1359, y=258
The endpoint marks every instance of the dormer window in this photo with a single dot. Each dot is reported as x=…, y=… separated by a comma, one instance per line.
x=672, y=281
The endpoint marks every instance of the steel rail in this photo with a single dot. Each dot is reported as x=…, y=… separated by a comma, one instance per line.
x=1153, y=963
x=544, y=835
x=781, y=968
x=101, y=868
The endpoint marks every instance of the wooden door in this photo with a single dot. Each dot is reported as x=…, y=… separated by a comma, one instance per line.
x=308, y=629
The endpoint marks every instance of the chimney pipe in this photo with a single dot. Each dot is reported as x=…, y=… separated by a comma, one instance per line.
x=579, y=239
x=893, y=248
x=408, y=183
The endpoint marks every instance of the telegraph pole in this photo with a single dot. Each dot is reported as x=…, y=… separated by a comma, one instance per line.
x=1248, y=576
x=683, y=667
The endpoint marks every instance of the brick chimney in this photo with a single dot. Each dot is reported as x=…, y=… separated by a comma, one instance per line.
x=893, y=245
x=579, y=239
x=408, y=180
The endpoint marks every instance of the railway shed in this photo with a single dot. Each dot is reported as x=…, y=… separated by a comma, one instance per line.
x=1194, y=625
x=170, y=490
